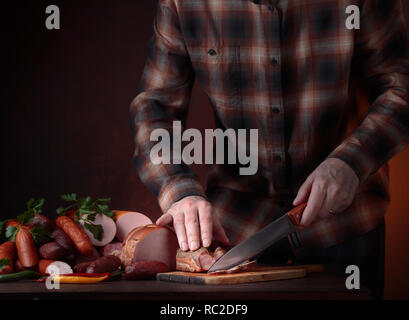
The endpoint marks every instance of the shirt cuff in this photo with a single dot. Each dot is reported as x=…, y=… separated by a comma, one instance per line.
x=178, y=189
x=355, y=157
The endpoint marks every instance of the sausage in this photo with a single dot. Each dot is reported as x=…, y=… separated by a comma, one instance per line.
x=142, y=270
x=52, y=267
x=63, y=240
x=19, y=267
x=82, y=267
x=40, y=220
x=70, y=259
x=76, y=234
x=26, y=248
x=104, y=264
x=113, y=248
x=108, y=226
x=8, y=251
x=80, y=258
x=52, y=251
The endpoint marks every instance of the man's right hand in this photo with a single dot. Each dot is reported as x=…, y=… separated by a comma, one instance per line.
x=194, y=223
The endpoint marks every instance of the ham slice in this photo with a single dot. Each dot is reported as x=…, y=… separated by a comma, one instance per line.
x=200, y=260
x=126, y=221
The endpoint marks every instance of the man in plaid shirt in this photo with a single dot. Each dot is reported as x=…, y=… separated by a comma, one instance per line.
x=291, y=69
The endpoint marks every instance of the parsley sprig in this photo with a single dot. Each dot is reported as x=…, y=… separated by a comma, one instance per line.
x=39, y=234
x=86, y=210
x=4, y=263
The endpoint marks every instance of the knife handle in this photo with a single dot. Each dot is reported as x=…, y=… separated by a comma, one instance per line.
x=295, y=214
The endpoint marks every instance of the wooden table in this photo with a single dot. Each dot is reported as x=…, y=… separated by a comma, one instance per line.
x=328, y=285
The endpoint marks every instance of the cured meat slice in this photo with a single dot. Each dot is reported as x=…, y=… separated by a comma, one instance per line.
x=150, y=243
x=199, y=260
x=126, y=221
x=245, y=266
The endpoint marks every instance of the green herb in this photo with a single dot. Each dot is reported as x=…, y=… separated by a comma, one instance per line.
x=34, y=205
x=86, y=205
x=11, y=233
x=86, y=210
x=96, y=230
x=4, y=263
x=41, y=235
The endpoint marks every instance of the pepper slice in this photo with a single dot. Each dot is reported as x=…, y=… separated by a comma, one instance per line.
x=78, y=279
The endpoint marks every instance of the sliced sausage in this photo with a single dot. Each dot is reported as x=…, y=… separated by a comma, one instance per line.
x=126, y=221
x=108, y=227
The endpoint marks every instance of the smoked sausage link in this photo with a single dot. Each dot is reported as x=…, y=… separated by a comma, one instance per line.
x=63, y=240
x=8, y=251
x=52, y=251
x=76, y=234
x=104, y=264
x=143, y=270
x=26, y=248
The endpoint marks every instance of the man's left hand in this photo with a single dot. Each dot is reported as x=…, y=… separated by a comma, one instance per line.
x=329, y=189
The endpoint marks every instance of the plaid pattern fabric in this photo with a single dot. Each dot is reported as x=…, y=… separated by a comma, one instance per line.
x=288, y=68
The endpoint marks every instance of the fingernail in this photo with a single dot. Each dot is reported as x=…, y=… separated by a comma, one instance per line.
x=206, y=242
x=184, y=246
x=194, y=245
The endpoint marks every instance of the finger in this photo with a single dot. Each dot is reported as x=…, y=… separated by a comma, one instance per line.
x=315, y=202
x=303, y=192
x=206, y=224
x=192, y=228
x=179, y=225
x=164, y=219
x=219, y=233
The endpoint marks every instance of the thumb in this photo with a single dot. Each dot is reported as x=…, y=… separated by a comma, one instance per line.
x=164, y=220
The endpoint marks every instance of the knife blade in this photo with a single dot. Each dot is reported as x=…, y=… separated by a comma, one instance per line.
x=261, y=240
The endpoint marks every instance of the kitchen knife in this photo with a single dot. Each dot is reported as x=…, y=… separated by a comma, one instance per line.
x=261, y=240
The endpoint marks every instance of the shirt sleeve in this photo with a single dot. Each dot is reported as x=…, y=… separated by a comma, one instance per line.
x=382, y=55
x=163, y=97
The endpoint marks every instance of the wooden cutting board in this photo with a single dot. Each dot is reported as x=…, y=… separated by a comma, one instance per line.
x=257, y=273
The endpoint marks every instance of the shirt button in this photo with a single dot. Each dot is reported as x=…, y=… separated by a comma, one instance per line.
x=276, y=110
x=274, y=62
x=212, y=52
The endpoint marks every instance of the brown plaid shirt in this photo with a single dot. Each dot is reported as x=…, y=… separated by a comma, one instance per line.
x=288, y=68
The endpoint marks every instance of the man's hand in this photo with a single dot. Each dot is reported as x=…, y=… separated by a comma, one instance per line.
x=194, y=223
x=329, y=189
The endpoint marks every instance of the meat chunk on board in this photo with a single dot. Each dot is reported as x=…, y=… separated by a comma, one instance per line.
x=199, y=260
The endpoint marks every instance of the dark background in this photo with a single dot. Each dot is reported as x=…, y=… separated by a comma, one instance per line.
x=65, y=114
